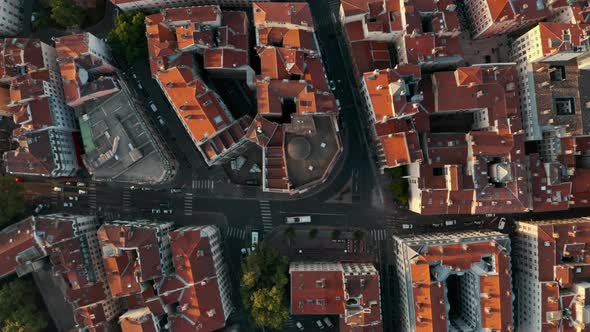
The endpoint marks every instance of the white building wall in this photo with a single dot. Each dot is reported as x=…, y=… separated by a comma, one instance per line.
x=98, y=48
x=11, y=17
x=527, y=285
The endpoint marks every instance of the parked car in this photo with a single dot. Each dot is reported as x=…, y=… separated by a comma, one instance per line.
x=319, y=324
x=161, y=121
x=169, y=211
x=73, y=198
x=299, y=326
x=81, y=184
x=156, y=211
x=82, y=192
x=502, y=223
x=17, y=179
x=175, y=190
x=478, y=222
x=450, y=222
x=437, y=225
x=407, y=226
x=40, y=208
x=152, y=106
x=299, y=220
x=328, y=322
x=68, y=204
x=58, y=189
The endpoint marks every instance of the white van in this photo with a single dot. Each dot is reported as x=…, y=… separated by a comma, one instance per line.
x=299, y=220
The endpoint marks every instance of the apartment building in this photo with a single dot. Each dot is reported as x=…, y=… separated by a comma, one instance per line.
x=455, y=282
x=222, y=39
x=349, y=289
x=85, y=63
x=135, y=254
x=551, y=275
x=489, y=17
x=11, y=17
x=69, y=245
x=36, y=102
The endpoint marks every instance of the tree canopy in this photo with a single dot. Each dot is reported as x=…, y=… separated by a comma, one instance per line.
x=128, y=39
x=67, y=14
x=264, y=278
x=12, y=202
x=18, y=307
x=399, y=185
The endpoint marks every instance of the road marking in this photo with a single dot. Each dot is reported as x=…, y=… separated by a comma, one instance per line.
x=188, y=204
x=379, y=234
x=205, y=185
x=266, y=216
x=236, y=233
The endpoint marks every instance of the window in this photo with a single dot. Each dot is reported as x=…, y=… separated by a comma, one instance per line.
x=557, y=73
x=564, y=106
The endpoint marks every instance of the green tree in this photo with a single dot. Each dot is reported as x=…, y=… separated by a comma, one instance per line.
x=313, y=233
x=67, y=14
x=12, y=201
x=128, y=38
x=264, y=278
x=336, y=234
x=290, y=233
x=18, y=307
x=358, y=235
x=399, y=185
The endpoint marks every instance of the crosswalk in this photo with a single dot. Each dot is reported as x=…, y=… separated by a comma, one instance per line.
x=379, y=234
x=54, y=198
x=266, y=215
x=126, y=198
x=92, y=195
x=391, y=221
x=236, y=233
x=111, y=215
x=205, y=185
x=290, y=323
x=188, y=204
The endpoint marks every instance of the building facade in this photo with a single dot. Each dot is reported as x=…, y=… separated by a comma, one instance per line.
x=11, y=17
x=155, y=5
x=552, y=275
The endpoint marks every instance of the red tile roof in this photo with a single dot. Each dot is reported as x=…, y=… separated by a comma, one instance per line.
x=194, y=286
x=130, y=255
x=348, y=289
x=428, y=47
x=317, y=292
x=138, y=320
x=202, y=14
x=428, y=298
x=18, y=245
x=553, y=34
x=19, y=56
x=199, y=108
x=33, y=155
x=267, y=14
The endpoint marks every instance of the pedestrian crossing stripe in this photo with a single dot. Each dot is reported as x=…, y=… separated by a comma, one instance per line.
x=379, y=234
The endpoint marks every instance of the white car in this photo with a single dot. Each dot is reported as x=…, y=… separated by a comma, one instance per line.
x=167, y=211
x=299, y=220
x=319, y=324
x=58, y=189
x=450, y=222
x=156, y=211
x=328, y=322
x=407, y=226
x=68, y=204
x=152, y=106
x=81, y=184
x=502, y=223
x=82, y=192
x=161, y=121
x=73, y=198
x=299, y=326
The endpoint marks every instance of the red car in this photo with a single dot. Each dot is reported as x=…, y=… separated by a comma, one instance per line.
x=18, y=179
